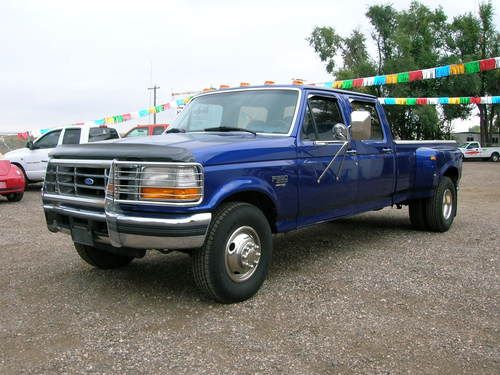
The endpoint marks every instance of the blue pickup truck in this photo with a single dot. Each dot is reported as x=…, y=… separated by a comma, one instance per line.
x=238, y=166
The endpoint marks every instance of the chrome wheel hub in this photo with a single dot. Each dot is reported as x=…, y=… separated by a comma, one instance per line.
x=447, y=204
x=242, y=253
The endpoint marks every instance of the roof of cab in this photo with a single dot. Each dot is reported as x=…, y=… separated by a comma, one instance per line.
x=300, y=87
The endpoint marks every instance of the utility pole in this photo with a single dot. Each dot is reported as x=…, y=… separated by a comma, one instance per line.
x=154, y=88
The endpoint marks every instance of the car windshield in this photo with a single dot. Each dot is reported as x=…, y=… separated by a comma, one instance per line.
x=256, y=111
x=463, y=145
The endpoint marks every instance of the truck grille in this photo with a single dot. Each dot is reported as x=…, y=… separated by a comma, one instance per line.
x=77, y=178
x=85, y=182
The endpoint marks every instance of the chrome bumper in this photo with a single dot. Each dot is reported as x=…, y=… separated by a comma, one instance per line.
x=173, y=232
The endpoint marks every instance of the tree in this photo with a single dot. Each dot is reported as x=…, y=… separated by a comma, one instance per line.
x=416, y=38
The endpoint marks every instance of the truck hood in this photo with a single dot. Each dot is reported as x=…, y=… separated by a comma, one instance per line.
x=205, y=148
x=16, y=155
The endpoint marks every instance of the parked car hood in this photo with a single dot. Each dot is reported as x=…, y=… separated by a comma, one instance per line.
x=205, y=148
x=16, y=153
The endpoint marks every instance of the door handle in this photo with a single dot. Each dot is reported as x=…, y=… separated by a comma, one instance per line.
x=351, y=152
x=387, y=150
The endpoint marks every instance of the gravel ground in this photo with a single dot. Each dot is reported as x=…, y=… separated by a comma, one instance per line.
x=362, y=295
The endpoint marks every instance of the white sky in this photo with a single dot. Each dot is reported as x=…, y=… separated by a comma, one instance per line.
x=70, y=61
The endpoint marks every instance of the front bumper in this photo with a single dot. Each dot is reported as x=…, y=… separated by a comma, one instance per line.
x=172, y=231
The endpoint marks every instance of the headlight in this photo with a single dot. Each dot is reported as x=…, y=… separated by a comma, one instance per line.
x=171, y=183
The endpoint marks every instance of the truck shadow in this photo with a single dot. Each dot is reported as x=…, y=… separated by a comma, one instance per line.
x=169, y=277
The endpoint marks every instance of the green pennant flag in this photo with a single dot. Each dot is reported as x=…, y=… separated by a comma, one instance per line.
x=411, y=101
x=118, y=118
x=464, y=100
x=403, y=77
x=347, y=84
x=159, y=108
x=472, y=67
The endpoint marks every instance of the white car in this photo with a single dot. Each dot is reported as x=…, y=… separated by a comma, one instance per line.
x=473, y=150
x=33, y=159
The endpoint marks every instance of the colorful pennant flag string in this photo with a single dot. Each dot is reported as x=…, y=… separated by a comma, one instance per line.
x=392, y=79
x=110, y=120
x=441, y=100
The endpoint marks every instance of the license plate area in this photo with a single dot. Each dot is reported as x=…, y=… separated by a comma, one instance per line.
x=3, y=185
x=82, y=234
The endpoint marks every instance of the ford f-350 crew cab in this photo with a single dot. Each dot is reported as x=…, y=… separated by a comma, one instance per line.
x=237, y=166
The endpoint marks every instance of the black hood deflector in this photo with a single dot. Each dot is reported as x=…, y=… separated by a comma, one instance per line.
x=123, y=151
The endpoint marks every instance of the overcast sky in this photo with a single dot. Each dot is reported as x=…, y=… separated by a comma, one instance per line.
x=70, y=61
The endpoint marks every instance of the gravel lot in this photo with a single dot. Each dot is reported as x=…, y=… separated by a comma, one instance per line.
x=362, y=295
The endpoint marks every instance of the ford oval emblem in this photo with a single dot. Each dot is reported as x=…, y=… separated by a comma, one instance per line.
x=88, y=181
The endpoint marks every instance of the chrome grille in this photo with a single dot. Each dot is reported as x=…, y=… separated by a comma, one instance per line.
x=80, y=178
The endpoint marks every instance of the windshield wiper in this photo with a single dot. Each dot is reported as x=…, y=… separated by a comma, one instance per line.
x=175, y=130
x=228, y=129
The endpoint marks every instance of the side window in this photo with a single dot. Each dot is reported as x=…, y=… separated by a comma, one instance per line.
x=49, y=140
x=365, y=121
x=102, y=134
x=158, y=130
x=321, y=116
x=138, y=132
x=473, y=145
x=71, y=136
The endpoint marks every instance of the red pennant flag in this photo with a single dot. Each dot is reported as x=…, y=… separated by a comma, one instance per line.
x=475, y=100
x=421, y=100
x=416, y=75
x=126, y=116
x=358, y=82
x=487, y=64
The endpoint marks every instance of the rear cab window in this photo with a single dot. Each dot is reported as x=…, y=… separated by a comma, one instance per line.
x=157, y=130
x=102, y=134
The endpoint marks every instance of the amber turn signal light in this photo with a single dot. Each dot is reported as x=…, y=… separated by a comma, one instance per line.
x=184, y=194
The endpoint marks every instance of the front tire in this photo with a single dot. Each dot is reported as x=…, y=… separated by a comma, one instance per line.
x=15, y=197
x=101, y=258
x=233, y=263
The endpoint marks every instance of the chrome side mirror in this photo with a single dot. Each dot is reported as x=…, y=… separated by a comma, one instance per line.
x=340, y=132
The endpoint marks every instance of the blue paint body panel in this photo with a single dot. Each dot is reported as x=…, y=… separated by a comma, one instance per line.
x=237, y=162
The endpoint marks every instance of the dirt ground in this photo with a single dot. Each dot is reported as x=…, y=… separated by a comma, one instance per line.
x=362, y=295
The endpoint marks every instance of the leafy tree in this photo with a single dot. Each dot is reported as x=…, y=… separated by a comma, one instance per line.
x=416, y=38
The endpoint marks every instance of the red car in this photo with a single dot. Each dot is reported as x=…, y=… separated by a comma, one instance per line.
x=145, y=130
x=12, y=181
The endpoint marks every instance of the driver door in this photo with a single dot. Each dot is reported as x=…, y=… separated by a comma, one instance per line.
x=38, y=157
x=333, y=195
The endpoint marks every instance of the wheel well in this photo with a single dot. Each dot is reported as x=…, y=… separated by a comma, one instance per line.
x=261, y=201
x=452, y=173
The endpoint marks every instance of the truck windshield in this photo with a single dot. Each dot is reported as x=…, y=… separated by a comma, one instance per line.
x=259, y=111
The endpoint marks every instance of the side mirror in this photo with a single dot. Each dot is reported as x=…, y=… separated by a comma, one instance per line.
x=340, y=132
x=29, y=145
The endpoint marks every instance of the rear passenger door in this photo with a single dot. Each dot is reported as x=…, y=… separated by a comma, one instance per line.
x=375, y=153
